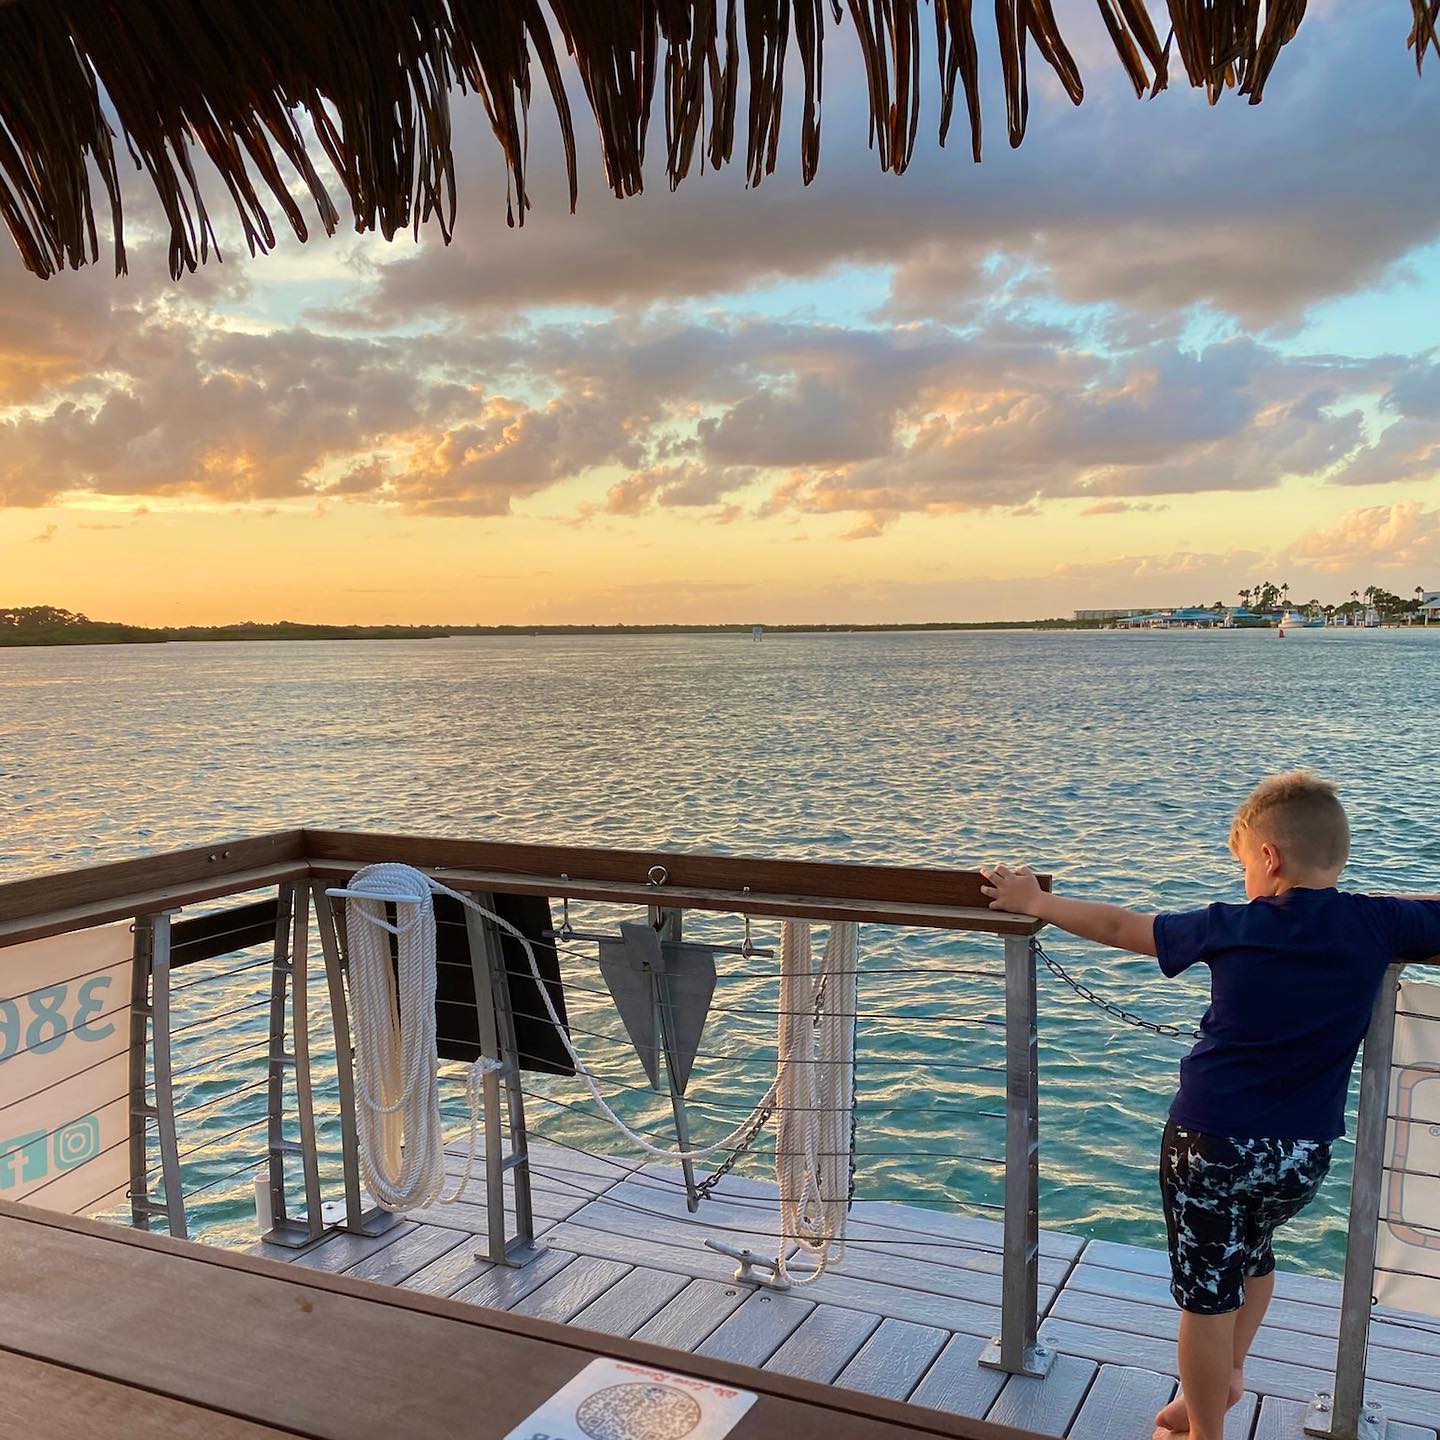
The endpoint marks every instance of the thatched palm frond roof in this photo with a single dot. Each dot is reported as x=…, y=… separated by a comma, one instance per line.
x=247, y=81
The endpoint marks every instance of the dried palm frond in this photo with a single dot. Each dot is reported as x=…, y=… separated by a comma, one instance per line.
x=249, y=85
x=1425, y=30
x=889, y=32
x=492, y=53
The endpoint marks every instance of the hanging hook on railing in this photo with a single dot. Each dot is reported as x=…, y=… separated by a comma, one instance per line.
x=747, y=946
x=567, y=931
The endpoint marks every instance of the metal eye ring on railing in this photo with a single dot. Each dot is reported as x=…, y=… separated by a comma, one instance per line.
x=567, y=930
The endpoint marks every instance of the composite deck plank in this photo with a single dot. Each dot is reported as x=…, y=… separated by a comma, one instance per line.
x=635, y=1299
x=502, y=1286
x=1047, y=1403
x=930, y=1268
x=1289, y=1284
x=39, y=1401
x=1270, y=1377
x=754, y=1332
x=892, y=1361
x=470, y=1212
x=1310, y=1317
x=1280, y=1419
x=561, y=1298
x=551, y=1173
x=1272, y=1342
x=1307, y=1317
x=314, y=1254
x=603, y=1228
x=958, y=1382
x=396, y=1263
x=339, y=1252
x=1121, y=1404
x=1285, y=1420
x=452, y=1271
x=598, y=1170
x=823, y=1345
x=696, y=1312
x=880, y=1227
x=1240, y=1418
x=964, y=1229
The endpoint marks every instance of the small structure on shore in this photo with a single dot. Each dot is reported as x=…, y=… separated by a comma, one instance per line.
x=1184, y=619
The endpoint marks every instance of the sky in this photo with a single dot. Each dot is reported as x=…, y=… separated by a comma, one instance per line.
x=1160, y=353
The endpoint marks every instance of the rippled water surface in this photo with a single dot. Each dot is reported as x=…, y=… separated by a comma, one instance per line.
x=1113, y=760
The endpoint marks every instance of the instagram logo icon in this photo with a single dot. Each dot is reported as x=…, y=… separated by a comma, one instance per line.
x=77, y=1143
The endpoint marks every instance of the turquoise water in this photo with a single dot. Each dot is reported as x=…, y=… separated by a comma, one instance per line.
x=1113, y=760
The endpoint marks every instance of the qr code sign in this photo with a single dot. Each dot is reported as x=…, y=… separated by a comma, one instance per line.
x=638, y=1412
x=620, y=1400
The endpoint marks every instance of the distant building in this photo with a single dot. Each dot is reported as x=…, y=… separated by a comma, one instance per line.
x=1366, y=616
x=1106, y=614
x=1430, y=606
x=1184, y=619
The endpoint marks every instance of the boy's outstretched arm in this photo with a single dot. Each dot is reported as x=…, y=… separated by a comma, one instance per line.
x=1019, y=892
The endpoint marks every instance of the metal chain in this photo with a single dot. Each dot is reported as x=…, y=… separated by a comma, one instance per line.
x=704, y=1188
x=1114, y=1011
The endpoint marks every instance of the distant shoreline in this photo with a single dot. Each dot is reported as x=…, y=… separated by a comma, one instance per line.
x=105, y=633
x=98, y=632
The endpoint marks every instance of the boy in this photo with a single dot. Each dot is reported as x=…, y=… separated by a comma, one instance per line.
x=1293, y=979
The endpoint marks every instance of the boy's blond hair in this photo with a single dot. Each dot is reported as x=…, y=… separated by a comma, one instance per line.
x=1300, y=814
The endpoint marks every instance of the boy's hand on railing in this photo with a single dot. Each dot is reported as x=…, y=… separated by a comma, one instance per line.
x=1017, y=891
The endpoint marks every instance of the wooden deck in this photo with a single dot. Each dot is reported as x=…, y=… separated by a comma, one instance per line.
x=905, y=1315
x=109, y=1332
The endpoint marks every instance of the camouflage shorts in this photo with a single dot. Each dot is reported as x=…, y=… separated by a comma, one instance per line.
x=1224, y=1200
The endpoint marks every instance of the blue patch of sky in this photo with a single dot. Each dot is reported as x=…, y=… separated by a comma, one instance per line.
x=846, y=295
x=1394, y=317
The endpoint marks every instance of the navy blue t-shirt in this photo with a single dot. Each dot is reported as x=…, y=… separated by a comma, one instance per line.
x=1293, y=979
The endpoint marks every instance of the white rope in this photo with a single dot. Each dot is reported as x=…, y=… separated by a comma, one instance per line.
x=396, y=1064
x=816, y=1102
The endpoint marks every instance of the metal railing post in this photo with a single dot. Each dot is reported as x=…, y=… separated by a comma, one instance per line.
x=288, y=977
x=358, y=1220
x=1345, y=1415
x=498, y=1047
x=150, y=1022
x=1016, y=1348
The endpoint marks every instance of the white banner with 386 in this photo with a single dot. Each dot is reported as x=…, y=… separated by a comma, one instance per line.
x=64, y=1070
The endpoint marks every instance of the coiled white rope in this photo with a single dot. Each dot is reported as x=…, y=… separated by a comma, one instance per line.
x=816, y=1101
x=397, y=1063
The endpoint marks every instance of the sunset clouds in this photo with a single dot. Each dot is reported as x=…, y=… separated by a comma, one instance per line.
x=1108, y=363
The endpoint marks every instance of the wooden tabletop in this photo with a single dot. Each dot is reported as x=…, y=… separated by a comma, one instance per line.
x=107, y=1331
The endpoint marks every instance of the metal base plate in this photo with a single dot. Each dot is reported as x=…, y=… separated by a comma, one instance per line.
x=292, y=1234
x=374, y=1221
x=1037, y=1362
x=518, y=1254
x=1321, y=1414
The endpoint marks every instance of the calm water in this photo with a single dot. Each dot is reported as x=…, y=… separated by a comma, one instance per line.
x=1113, y=760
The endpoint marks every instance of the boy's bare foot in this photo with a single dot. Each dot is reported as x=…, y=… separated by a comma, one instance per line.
x=1175, y=1418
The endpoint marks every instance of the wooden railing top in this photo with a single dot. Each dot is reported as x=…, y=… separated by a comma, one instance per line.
x=818, y=890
